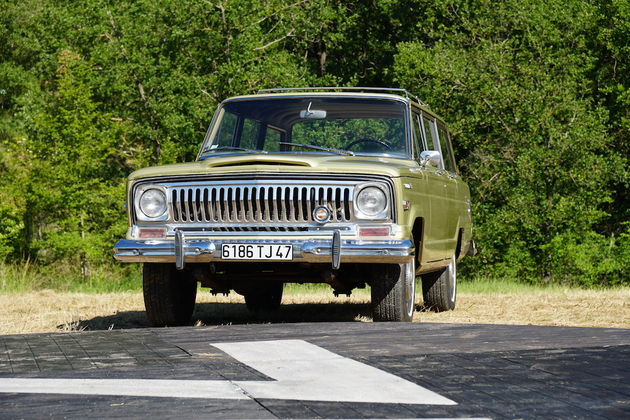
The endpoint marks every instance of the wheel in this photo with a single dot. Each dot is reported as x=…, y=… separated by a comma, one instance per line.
x=169, y=294
x=265, y=298
x=393, y=292
x=439, y=289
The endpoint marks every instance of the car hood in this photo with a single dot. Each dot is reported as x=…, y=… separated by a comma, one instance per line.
x=285, y=163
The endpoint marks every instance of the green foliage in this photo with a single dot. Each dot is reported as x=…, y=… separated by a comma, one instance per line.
x=612, y=88
x=590, y=260
x=537, y=93
x=533, y=142
x=341, y=132
x=27, y=276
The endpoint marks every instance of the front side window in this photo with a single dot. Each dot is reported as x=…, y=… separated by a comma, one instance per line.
x=429, y=132
x=447, y=155
x=361, y=126
x=418, y=143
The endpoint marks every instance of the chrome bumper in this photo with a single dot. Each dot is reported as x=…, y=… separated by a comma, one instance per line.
x=183, y=250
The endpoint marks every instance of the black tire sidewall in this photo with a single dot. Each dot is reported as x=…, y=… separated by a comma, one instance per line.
x=390, y=285
x=439, y=289
x=169, y=294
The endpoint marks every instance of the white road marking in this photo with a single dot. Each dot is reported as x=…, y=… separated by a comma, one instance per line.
x=128, y=387
x=300, y=371
x=304, y=371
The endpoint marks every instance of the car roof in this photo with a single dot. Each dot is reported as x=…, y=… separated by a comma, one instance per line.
x=345, y=92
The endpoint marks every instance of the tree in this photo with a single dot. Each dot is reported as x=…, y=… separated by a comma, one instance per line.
x=75, y=179
x=536, y=92
x=514, y=79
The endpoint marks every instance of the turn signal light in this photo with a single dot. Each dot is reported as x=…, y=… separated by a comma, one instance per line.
x=374, y=231
x=151, y=233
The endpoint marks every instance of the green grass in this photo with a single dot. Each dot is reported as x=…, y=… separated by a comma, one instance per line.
x=479, y=285
x=485, y=285
x=25, y=277
x=106, y=278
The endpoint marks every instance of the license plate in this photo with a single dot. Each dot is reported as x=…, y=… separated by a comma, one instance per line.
x=256, y=252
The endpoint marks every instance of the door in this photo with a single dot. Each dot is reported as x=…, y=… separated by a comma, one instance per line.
x=441, y=228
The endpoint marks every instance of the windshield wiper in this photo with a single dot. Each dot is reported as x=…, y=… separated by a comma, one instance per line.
x=240, y=149
x=324, y=149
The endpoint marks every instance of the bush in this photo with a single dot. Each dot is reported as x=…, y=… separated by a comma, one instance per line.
x=590, y=260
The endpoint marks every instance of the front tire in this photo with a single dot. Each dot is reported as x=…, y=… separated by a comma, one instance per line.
x=393, y=293
x=169, y=294
x=439, y=289
x=265, y=298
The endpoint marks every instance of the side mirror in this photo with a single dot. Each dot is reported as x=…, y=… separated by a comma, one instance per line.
x=431, y=158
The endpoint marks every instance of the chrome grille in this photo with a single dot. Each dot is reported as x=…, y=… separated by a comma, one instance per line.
x=256, y=203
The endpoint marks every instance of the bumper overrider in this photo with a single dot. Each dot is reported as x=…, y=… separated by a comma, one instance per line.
x=181, y=250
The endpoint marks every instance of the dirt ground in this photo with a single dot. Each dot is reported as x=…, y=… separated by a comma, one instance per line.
x=49, y=311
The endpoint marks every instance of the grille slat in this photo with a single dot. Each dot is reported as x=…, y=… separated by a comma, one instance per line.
x=212, y=209
x=267, y=217
x=184, y=197
x=274, y=203
x=252, y=203
x=219, y=205
x=258, y=217
x=203, y=202
x=197, y=205
x=290, y=207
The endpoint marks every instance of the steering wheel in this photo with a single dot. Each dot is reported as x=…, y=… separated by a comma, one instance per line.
x=369, y=140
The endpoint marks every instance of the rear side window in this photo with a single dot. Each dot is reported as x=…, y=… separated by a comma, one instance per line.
x=273, y=138
x=250, y=133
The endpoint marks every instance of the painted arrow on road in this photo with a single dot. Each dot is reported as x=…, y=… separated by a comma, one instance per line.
x=300, y=371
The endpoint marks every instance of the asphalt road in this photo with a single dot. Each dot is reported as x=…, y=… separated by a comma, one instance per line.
x=319, y=370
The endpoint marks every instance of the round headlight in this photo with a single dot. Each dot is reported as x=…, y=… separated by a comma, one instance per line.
x=152, y=203
x=371, y=201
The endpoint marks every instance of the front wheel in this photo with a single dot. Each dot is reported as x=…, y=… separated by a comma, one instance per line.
x=169, y=294
x=393, y=292
x=439, y=289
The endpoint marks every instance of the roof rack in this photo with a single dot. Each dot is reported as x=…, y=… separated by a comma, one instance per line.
x=352, y=89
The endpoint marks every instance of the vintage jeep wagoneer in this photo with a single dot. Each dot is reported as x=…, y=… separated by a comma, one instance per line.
x=345, y=186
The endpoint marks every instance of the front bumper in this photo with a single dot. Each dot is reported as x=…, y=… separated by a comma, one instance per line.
x=183, y=250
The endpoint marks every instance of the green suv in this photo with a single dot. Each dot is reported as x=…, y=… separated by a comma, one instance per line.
x=344, y=186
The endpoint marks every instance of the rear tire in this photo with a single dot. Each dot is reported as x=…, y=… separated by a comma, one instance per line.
x=266, y=298
x=439, y=289
x=393, y=293
x=169, y=294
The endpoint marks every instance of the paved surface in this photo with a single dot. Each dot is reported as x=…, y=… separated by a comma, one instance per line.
x=488, y=371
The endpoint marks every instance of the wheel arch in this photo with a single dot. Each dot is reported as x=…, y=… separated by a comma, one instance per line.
x=458, y=247
x=418, y=239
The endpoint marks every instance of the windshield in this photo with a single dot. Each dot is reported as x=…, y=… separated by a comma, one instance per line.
x=347, y=126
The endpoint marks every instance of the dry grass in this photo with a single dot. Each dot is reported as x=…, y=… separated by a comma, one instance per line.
x=47, y=311
x=583, y=308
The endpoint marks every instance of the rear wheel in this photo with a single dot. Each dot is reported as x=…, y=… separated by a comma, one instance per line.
x=439, y=289
x=169, y=294
x=393, y=292
x=266, y=297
